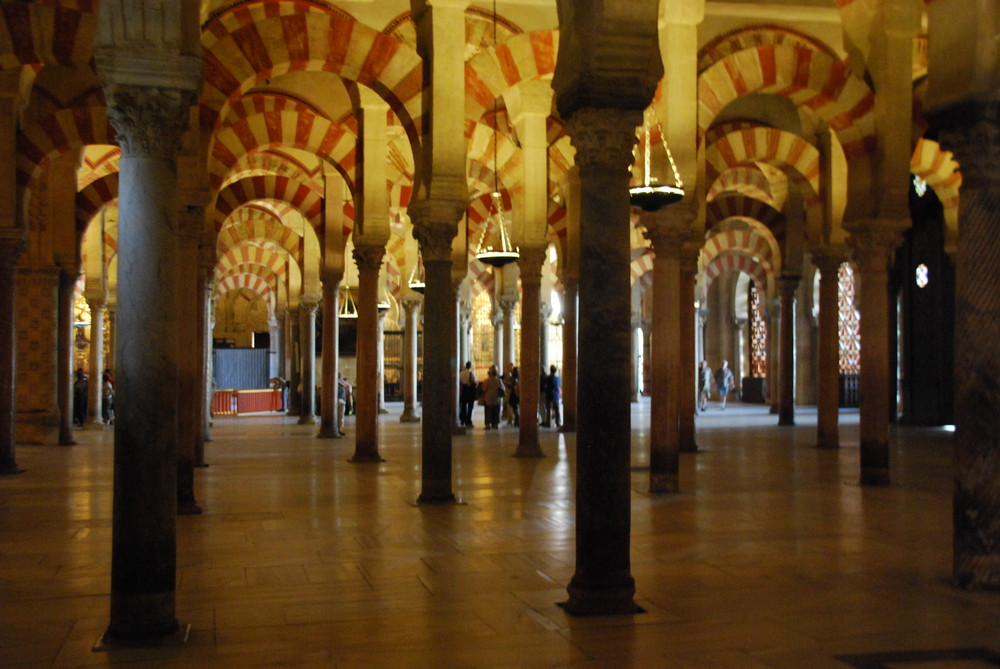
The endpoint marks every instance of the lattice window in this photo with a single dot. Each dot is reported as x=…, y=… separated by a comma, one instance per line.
x=849, y=323
x=758, y=334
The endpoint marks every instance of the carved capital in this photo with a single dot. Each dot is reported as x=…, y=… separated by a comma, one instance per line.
x=435, y=224
x=787, y=285
x=873, y=245
x=411, y=304
x=369, y=257
x=308, y=306
x=530, y=261
x=150, y=121
x=11, y=249
x=604, y=138
x=507, y=305
x=972, y=132
x=828, y=260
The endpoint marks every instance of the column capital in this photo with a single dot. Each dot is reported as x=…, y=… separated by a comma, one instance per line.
x=530, y=261
x=97, y=303
x=369, y=257
x=828, y=259
x=787, y=285
x=308, y=304
x=435, y=224
x=973, y=135
x=149, y=121
x=874, y=244
x=411, y=303
x=507, y=305
x=604, y=138
x=11, y=248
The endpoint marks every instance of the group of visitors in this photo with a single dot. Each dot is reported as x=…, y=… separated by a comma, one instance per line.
x=722, y=378
x=500, y=396
x=81, y=387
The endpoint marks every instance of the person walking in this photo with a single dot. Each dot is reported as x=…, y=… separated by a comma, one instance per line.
x=514, y=397
x=704, y=384
x=552, y=395
x=724, y=380
x=107, y=397
x=493, y=392
x=80, y=397
x=466, y=394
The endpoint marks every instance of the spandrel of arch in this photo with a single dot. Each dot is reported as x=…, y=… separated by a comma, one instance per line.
x=849, y=323
x=758, y=333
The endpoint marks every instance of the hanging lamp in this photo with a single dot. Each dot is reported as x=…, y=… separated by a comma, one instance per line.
x=653, y=196
x=505, y=253
x=348, y=309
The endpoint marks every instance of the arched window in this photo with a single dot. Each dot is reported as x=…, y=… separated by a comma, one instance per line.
x=482, y=334
x=758, y=334
x=849, y=323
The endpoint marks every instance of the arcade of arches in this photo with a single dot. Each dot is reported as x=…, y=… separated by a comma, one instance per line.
x=178, y=174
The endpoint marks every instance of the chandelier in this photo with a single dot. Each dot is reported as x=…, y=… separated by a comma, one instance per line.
x=348, y=309
x=651, y=195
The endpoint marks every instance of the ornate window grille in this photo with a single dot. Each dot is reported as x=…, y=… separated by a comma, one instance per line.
x=849, y=323
x=758, y=335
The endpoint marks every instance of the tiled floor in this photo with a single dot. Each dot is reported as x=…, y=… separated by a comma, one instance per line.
x=772, y=556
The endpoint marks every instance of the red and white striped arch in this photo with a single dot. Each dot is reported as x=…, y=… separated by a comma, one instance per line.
x=251, y=282
x=278, y=130
x=757, y=242
x=250, y=253
x=395, y=263
x=252, y=11
x=808, y=78
x=942, y=173
x=294, y=193
x=737, y=205
x=249, y=224
x=749, y=37
x=273, y=162
x=739, y=261
x=270, y=277
x=312, y=42
x=747, y=180
x=799, y=159
x=480, y=279
x=489, y=73
x=33, y=33
x=93, y=198
x=48, y=137
x=641, y=269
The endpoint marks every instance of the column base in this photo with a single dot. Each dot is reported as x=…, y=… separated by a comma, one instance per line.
x=109, y=641
x=874, y=477
x=786, y=421
x=383, y=410
x=428, y=499
x=409, y=416
x=830, y=443
x=366, y=457
x=567, y=428
x=599, y=601
x=529, y=451
x=458, y=430
x=689, y=448
x=307, y=419
x=329, y=433
x=10, y=468
x=188, y=508
x=664, y=483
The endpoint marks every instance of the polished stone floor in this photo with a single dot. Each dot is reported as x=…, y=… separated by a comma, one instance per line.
x=771, y=556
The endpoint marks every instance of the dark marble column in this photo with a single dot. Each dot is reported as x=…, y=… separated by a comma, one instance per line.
x=688, y=396
x=11, y=248
x=828, y=349
x=64, y=369
x=149, y=122
x=307, y=355
x=328, y=427
x=191, y=221
x=569, y=331
x=665, y=384
x=434, y=227
x=603, y=583
x=206, y=291
x=531, y=283
x=787, y=287
x=456, y=369
x=369, y=261
x=96, y=400
x=975, y=141
x=295, y=363
x=411, y=310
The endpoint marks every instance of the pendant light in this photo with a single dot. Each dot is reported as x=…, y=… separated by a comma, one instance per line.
x=348, y=309
x=505, y=253
x=653, y=196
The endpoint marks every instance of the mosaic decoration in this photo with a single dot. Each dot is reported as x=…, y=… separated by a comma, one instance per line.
x=849, y=323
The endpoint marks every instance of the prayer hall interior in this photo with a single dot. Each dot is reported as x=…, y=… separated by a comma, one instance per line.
x=213, y=211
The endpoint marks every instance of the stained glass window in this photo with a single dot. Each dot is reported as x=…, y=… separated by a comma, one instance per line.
x=758, y=334
x=849, y=323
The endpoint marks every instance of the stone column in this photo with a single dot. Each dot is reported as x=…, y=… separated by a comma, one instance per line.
x=530, y=368
x=569, y=356
x=464, y=325
x=603, y=583
x=295, y=359
x=192, y=220
x=369, y=261
x=509, y=308
x=149, y=122
x=64, y=360
x=206, y=325
x=976, y=540
x=38, y=411
x=456, y=363
x=739, y=354
x=328, y=427
x=273, y=347
x=96, y=399
x=434, y=228
x=688, y=353
x=496, y=318
x=828, y=349
x=874, y=245
x=307, y=351
x=380, y=362
x=411, y=310
x=543, y=336
x=11, y=247
x=787, y=286
x=773, y=323
x=666, y=387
